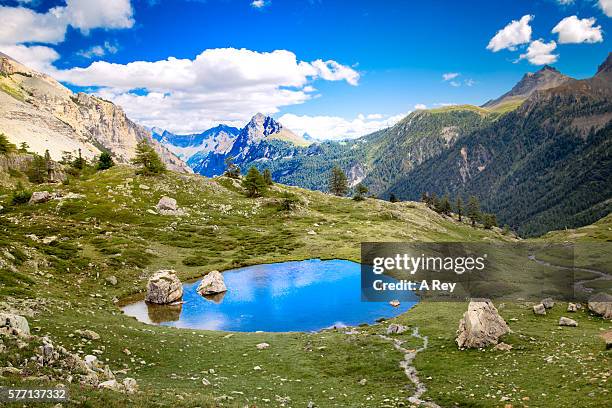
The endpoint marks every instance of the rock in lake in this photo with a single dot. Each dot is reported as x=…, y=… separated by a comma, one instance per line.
x=601, y=304
x=394, y=303
x=164, y=287
x=39, y=197
x=212, y=283
x=565, y=321
x=481, y=325
x=14, y=324
x=539, y=309
x=548, y=303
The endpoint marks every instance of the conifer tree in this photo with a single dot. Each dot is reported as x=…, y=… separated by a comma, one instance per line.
x=267, y=175
x=393, y=198
x=338, y=183
x=231, y=169
x=473, y=210
x=23, y=147
x=79, y=162
x=459, y=208
x=254, y=183
x=148, y=160
x=105, y=161
x=37, y=170
x=360, y=192
x=6, y=146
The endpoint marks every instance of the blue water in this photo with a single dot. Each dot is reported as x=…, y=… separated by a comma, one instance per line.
x=290, y=296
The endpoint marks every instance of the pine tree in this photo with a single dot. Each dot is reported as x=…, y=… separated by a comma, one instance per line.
x=434, y=202
x=105, y=161
x=338, y=184
x=48, y=164
x=231, y=169
x=6, y=146
x=489, y=221
x=254, y=183
x=444, y=206
x=473, y=210
x=426, y=199
x=37, y=170
x=79, y=162
x=360, y=191
x=459, y=208
x=23, y=147
x=267, y=175
x=393, y=198
x=148, y=160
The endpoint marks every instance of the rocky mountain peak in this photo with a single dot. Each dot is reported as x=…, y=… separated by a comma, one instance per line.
x=606, y=67
x=261, y=126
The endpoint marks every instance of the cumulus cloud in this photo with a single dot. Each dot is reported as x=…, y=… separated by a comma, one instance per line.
x=450, y=75
x=540, y=53
x=98, y=50
x=88, y=14
x=338, y=128
x=515, y=33
x=606, y=7
x=224, y=85
x=573, y=30
x=259, y=4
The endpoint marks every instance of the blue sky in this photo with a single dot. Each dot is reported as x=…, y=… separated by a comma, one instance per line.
x=388, y=56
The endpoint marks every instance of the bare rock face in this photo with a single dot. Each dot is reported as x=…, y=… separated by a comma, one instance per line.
x=14, y=324
x=212, y=283
x=164, y=287
x=601, y=304
x=481, y=325
x=40, y=197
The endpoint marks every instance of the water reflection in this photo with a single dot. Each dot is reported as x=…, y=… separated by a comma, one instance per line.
x=290, y=296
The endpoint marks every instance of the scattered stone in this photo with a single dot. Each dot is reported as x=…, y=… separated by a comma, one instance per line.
x=14, y=324
x=88, y=334
x=539, y=309
x=396, y=329
x=144, y=187
x=394, y=303
x=130, y=385
x=262, y=346
x=205, y=382
x=565, y=321
x=503, y=346
x=548, y=303
x=39, y=197
x=572, y=307
x=110, y=385
x=48, y=240
x=363, y=381
x=601, y=304
x=257, y=368
x=607, y=336
x=212, y=284
x=164, y=287
x=481, y=325
x=311, y=232
x=111, y=280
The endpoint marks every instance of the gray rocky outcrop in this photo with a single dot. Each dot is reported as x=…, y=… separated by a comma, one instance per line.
x=212, y=283
x=601, y=304
x=164, y=287
x=481, y=325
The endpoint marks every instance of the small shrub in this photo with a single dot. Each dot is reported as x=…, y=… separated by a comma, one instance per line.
x=20, y=195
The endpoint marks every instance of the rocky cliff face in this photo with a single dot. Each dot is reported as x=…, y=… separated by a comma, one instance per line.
x=36, y=109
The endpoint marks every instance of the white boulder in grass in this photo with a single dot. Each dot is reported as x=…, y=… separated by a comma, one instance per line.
x=14, y=324
x=164, y=287
x=212, y=284
x=481, y=325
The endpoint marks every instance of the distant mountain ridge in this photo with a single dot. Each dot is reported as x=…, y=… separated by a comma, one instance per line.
x=545, y=78
x=38, y=110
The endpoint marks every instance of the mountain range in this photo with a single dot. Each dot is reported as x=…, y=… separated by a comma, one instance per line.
x=538, y=156
x=38, y=110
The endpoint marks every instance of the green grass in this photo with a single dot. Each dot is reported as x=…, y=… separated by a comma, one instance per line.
x=113, y=232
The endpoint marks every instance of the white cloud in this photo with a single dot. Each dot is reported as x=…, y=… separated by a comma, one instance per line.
x=565, y=2
x=450, y=75
x=21, y=24
x=469, y=82
x=88, y=14
x=515, y=33
x=259, y=4
x=573, y=30
x=540, y=53
x=98, y=50
x=37, y=57
x=455, y=84
x=338, y=128
x=606, y=7
x=224, y=85
x=420, y=106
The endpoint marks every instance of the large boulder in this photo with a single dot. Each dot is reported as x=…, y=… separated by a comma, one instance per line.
x=548, y=303
x=164, y=287
x=14, y=324
x=40, y=197
x=481, y=325
x=601, y=304
x=539, y=309
x=566, y=321
x=167, y=203
x=212, y=283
